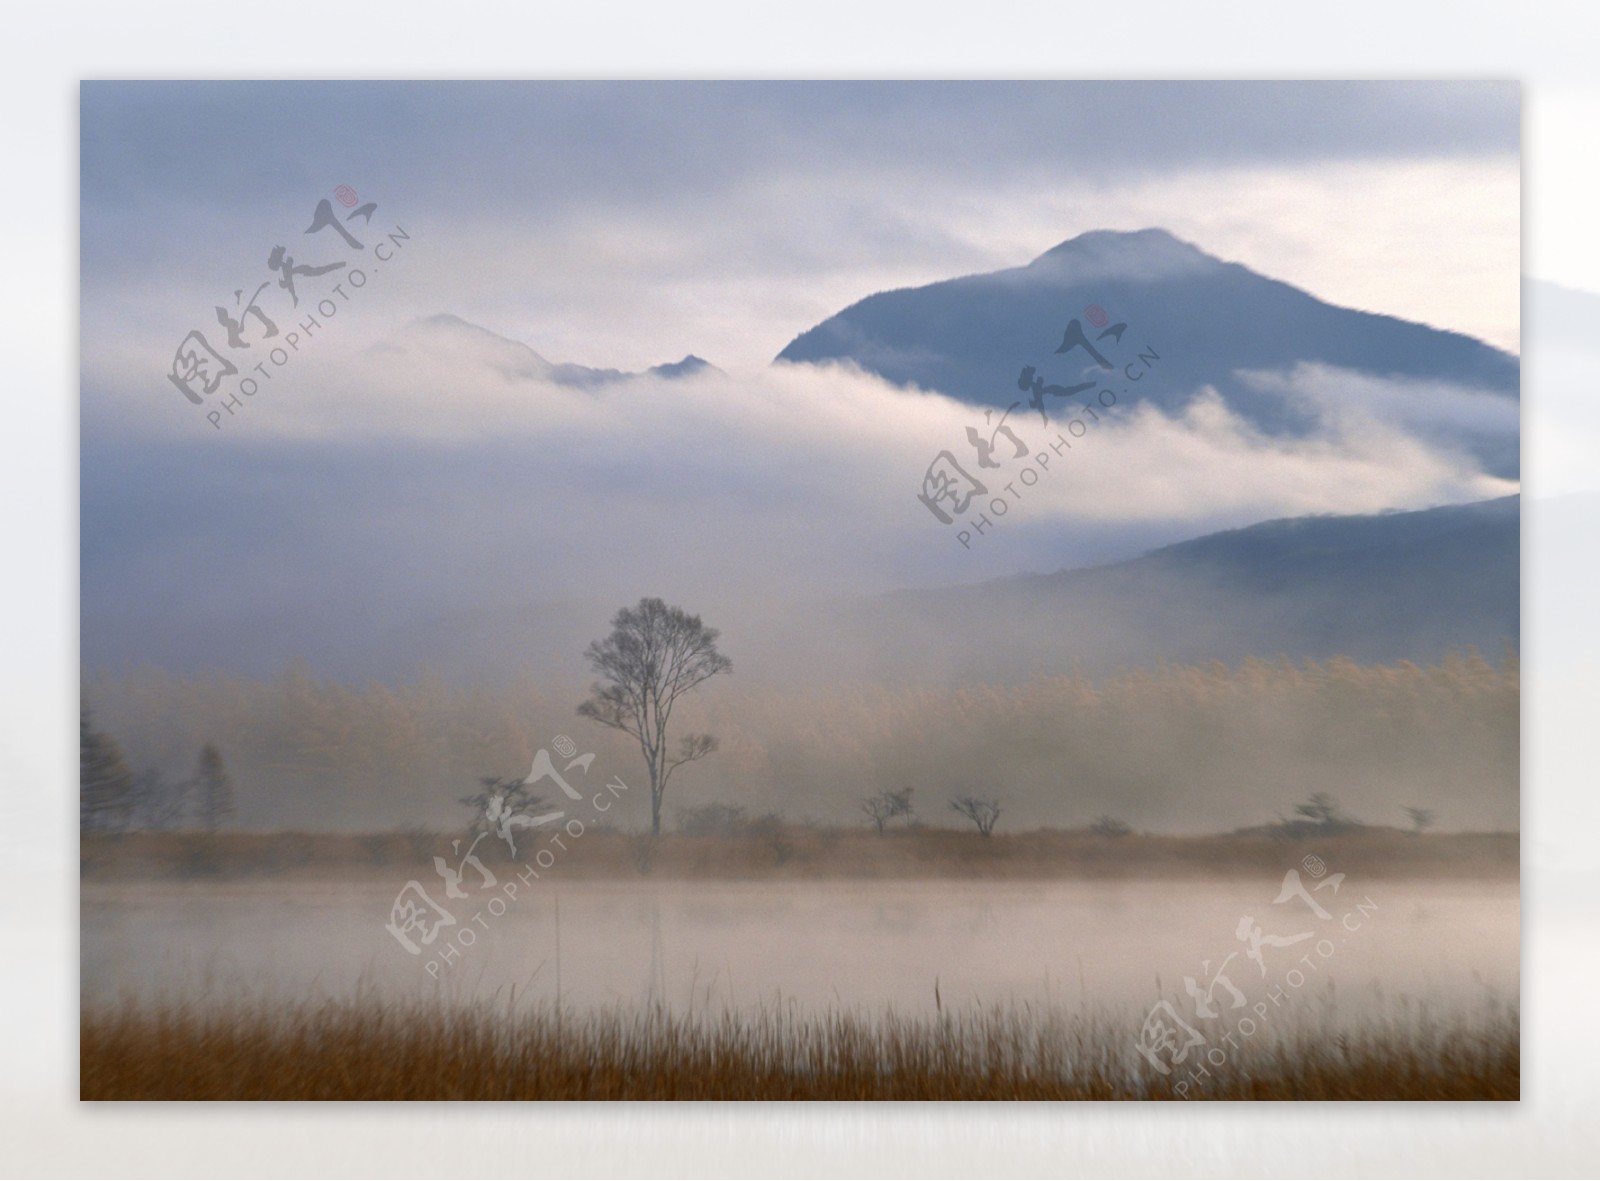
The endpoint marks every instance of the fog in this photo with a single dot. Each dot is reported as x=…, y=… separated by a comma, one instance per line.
x=443, y=491
x=1174, y=749
x=707, y=946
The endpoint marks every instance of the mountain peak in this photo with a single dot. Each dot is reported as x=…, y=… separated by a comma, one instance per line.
x=1153, y=251
x=446, y=320
x=1209, y=324
x=690, y=364
x=447, y=336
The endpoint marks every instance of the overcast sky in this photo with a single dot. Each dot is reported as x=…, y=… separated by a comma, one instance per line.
x=628, y=224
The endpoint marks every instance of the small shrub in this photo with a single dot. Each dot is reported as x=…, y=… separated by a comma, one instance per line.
x=771, y=829
x=1110, y=826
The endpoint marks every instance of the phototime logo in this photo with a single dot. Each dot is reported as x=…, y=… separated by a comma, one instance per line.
x=949, y=490
x=417, y=919
x=1167, y=1039
x=201, y=371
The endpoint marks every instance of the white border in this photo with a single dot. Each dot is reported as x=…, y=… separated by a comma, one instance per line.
x=44, y=1131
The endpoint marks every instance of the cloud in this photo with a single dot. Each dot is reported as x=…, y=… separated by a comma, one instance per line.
x=736, y=284
x=839, y=441
x=626, y=225
x=539, y=147
x=409, y=481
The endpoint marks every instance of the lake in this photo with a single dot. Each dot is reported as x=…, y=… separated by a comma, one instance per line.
x=858, y=945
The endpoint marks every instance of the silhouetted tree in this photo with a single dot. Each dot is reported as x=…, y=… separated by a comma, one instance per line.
x=654, y=655
x=213, y=789
x=879, y=810
x=900, y=804
x=512, y=794
x=105, y=784
x=1110, y=826
x=1322, y=810
x=1319, y=816
x=983, y=813
x=886, y=805
x=502, y=807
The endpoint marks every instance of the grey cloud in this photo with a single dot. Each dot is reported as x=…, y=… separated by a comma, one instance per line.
x=405, y=488
x=158, y=155
x=626, y=224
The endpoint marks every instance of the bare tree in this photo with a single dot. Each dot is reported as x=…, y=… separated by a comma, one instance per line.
x=1319, y=816
x=983, y=813
x=879, y=810
x=900, y=804
x=1110, y=826
x=1421, y=819
x=1322, y=810
x=502, y=806
x=498, y=797
x=654, y=655
x=886, y=805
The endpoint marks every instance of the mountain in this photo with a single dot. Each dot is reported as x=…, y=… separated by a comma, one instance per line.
x=1211, y=322
x=1386, y=587
x=449, y=337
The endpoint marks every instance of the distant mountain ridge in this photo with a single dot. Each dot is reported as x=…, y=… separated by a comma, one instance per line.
x=1377, y=588
x=1214, y=323
x=445, y=334
x=1381, y=588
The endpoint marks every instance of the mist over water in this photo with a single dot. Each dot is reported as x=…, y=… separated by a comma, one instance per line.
x=698, y=946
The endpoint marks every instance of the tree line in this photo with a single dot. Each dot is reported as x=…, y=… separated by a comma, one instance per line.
x=1198, y=748
x=112, y=798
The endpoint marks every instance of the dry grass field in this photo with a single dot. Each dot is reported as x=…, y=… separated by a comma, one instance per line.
x=364, y=1051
